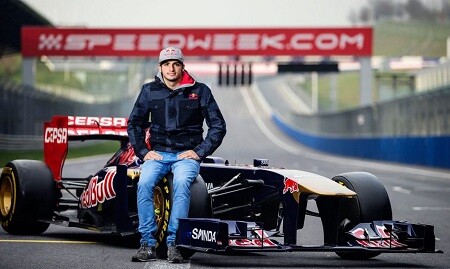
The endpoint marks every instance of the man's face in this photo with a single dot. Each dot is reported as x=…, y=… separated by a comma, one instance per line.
x=171, y=70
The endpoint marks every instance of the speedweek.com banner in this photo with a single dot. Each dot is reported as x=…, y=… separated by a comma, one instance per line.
x=37, y=41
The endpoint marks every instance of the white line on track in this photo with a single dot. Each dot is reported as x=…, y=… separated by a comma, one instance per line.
x=165, y=264
x=295, y=102
x=430, y=208
x=431, y=188
x=45, y=241
x=400, y=189
x=263, y=127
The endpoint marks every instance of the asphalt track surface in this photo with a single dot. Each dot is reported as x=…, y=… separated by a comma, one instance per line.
x=417, y=194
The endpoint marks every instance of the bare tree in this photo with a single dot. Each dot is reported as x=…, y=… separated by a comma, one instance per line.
x=423, y=10
x=417, y=10
x=365, y=15
x=382, y=9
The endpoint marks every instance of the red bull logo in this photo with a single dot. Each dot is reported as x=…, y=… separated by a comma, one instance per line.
x=98, y=192
x=252, y=243
x=290, y=185
x=261, y=240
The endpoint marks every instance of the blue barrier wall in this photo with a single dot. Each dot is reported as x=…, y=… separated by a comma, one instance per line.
x=431, y=151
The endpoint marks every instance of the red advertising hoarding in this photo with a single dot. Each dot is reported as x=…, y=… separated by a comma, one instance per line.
x=37, y=41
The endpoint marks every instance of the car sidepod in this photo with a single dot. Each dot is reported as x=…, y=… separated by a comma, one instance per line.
x=104, y=202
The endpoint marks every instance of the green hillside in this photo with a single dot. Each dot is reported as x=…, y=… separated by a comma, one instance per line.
x=394, y=39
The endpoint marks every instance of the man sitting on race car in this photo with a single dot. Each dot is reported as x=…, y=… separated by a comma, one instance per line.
x=177, y=105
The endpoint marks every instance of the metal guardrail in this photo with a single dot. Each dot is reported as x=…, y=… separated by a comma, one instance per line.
x=425, y=114
x=25, y=109
x=396, y=85
x=21, y=142
x=432, y=78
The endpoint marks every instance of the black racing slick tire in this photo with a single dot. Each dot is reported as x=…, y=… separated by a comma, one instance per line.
x=371, y=203
x=199, y=207
x=162, y=202
x=27, y=195
x=200, y=204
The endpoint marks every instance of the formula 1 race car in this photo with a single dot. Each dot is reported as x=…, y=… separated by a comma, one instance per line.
x=233, y=207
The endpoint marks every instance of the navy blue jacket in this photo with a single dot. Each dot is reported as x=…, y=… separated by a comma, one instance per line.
x=175, y=118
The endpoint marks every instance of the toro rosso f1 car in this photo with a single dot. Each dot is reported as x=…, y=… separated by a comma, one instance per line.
x=233, y=207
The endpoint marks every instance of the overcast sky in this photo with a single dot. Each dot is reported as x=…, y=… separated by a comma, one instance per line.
x=197, y=13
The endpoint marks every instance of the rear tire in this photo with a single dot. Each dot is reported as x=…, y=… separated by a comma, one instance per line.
x=371, y=203
x=27, y=195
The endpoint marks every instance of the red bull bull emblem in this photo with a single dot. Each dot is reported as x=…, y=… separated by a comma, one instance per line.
x=193, y=96
x=290, y=185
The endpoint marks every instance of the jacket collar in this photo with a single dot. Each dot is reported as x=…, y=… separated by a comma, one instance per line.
x=187, y=80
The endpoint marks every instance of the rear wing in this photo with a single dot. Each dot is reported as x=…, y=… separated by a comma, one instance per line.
x=61, y=129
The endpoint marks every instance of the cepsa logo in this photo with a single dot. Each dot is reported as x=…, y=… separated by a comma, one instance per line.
x=198, y=42
x=98, y=192
x=79, y=125
x=97, y=121
x=55, y=135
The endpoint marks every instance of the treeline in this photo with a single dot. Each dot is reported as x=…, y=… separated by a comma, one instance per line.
x=434, y=11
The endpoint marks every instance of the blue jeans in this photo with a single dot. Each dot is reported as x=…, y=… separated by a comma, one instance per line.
x=184, y=171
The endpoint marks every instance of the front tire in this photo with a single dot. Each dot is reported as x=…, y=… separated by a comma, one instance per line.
x=27, y=195
x=371, y=203
x=199, y=207
x=162, y=202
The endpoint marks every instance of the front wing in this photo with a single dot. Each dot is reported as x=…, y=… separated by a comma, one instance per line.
x=218, y=236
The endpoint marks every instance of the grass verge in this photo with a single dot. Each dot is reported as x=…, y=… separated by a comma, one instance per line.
x=74, y=152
